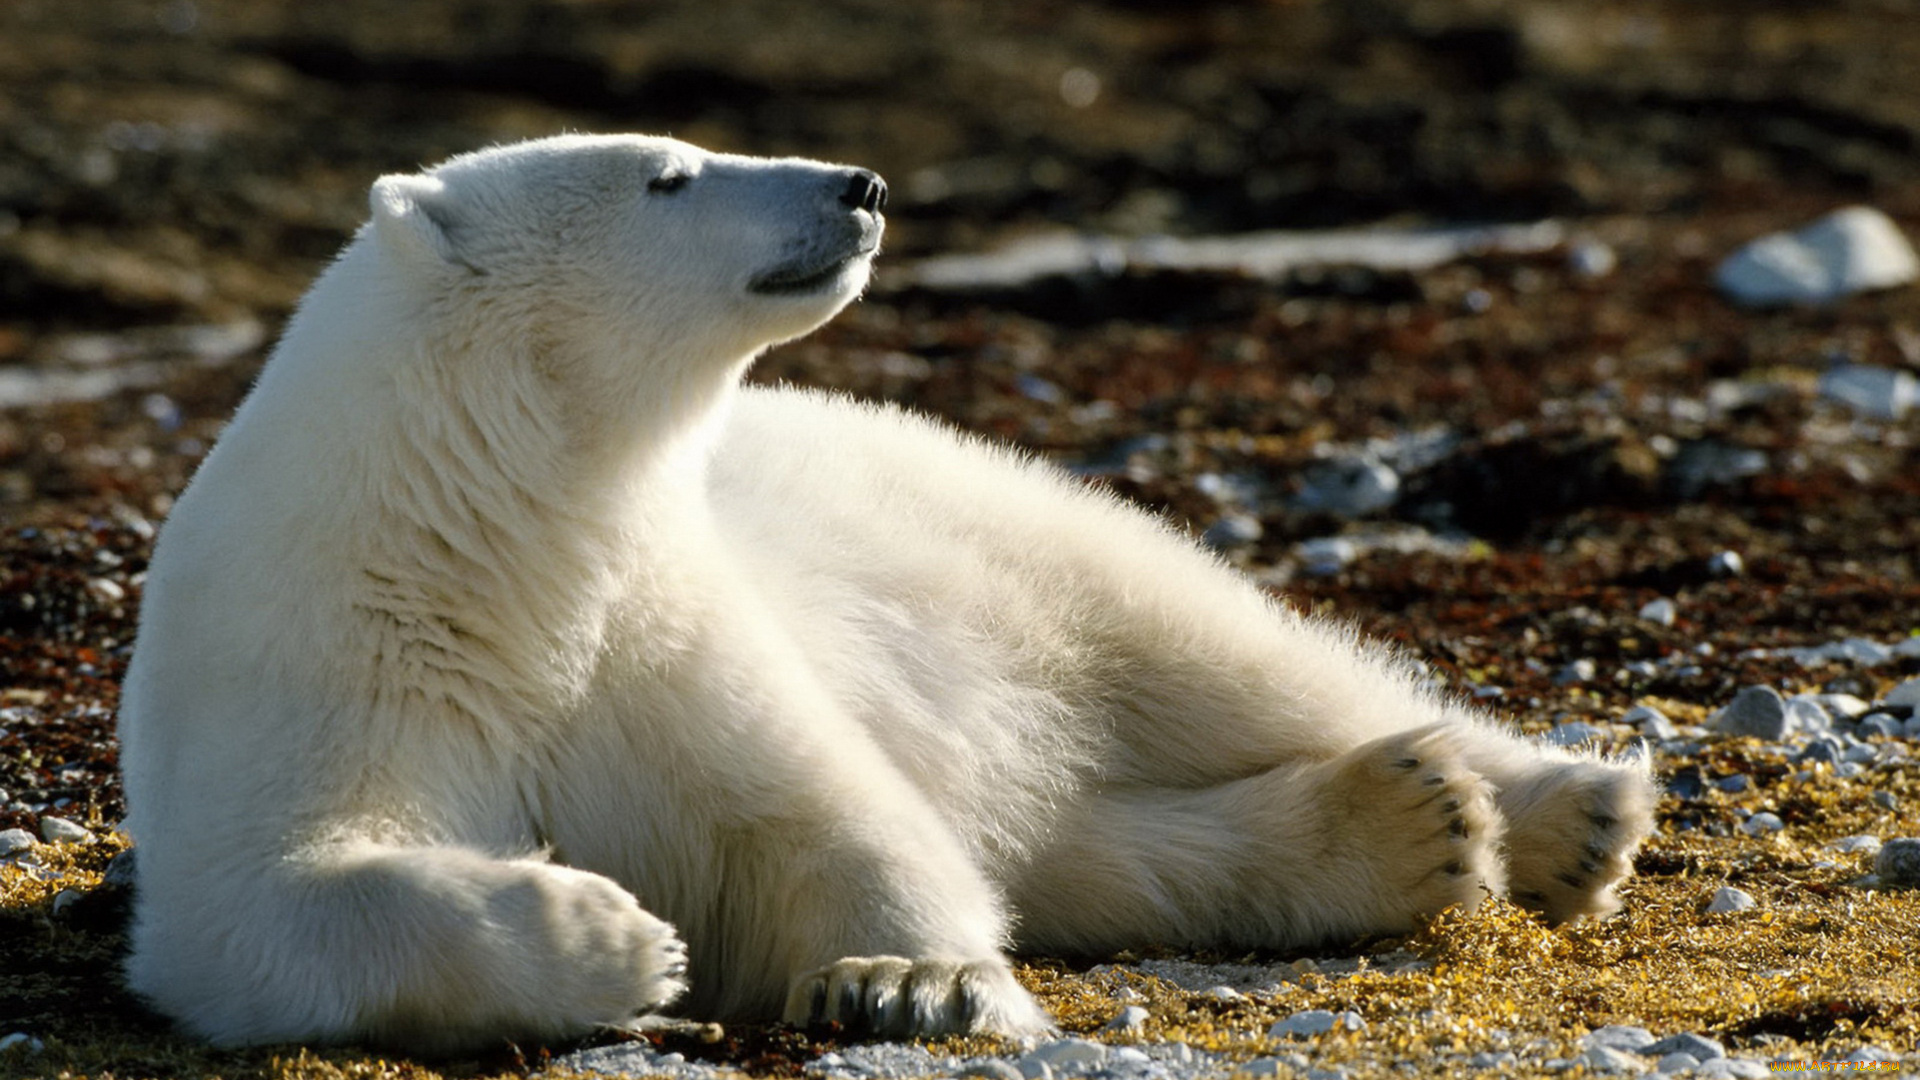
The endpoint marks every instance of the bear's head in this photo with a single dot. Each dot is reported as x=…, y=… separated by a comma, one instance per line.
x=625, y=264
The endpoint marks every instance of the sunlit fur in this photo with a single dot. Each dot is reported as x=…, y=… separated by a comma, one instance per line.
x=504, y=643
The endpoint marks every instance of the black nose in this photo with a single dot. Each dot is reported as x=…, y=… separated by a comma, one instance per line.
x=865, y=191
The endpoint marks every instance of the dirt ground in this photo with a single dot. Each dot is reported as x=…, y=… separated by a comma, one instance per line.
x=173, y=173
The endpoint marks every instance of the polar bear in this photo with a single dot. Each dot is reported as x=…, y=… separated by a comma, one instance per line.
x=509, y=669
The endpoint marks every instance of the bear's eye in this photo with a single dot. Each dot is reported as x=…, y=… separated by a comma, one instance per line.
x=669, y=182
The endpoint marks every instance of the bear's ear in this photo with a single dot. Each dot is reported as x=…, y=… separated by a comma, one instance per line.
x=415, y=216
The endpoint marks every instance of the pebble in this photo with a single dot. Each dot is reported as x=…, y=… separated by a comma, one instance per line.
x=1699, y=1047
x=1726, y=564
x=1898, y=864
x=1858, y=249
x=59, y=830
x=1652, y=722
x=15, y=841
x=1841, y=706
x=1880, y=726
x=1661, y=611
x=1233, y=531
x=1488, y=1059
x=1885, y=800
x=23, y=1040
x=1349, y=486
x=1605, y=1059
x=1866, y=842
x=1733, y=1069
x=1876, y=393
x=1574, y=733
x=1728, y=899
x=1677, y=1061
x=1311, y=1022
x=1223, y=993
x=1762, y=823
x=1618, y=1037
x=991, y=1069
x=1907, y=693
x=1062, y=1053
x=1806, y=714
x=1131, y=1018
x=1758, y=711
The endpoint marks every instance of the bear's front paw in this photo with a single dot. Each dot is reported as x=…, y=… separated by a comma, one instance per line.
x=1422, y=823
x=895, y=997
x=1574, y=828
x=610, y=948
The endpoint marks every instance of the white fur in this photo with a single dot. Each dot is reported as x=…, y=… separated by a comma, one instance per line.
x=504, y=629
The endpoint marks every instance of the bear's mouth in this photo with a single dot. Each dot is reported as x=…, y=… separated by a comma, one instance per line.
x=806, y=276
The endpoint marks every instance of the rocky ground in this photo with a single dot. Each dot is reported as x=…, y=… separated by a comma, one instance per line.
x=1570, y=473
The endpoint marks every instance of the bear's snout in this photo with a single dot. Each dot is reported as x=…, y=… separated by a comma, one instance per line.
x=865, y=191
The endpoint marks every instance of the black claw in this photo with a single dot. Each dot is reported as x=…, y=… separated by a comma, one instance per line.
x=817, y=1008
x=1590, y=866
x=1455, y=868
x=1571, y=880
x=1529, y=898
x=1603, y=821
x=1450, y=806
x=1407, y=763
x=1458, y=827
x=1433, y=781
x=1596, y=852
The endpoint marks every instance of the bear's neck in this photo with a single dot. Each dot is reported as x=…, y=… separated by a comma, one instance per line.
x=486, y=531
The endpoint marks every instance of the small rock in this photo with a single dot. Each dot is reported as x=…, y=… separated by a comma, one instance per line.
x=1874, y=392
x=1729, y=899
x=1735, y=784
x=1762, y=823
x=1907, y=693
x=1232, y=531
x=1821, y=749
x=1885, y=800
x=1726, y=564
x=1651, y=721
x=57, y=830
x=1733, y=1069
x=1323, y=556
x=1131, y=1018
x=1313, y=1022
x=1676, y=1062
x=1898, y=864
x=1854, y=250
x=15, y=841
x=1034, y=1070
x=1618, y=1037
x=1591, y=258
x=1579, y=671
x=1222, y=993
x=1806, y=714
x=1866, y=842
x=992, y=1069
x=1065, y=1052
x=1910, y=729
x=65, y=899
x=1487, y=1059
x=1699, y=1047
x=1758, y=711
x=1878, y=726
x=1574, y=733
x=1862, y=753
x=1605, y=1059
x=120, y=871
x=1840, y=706
x=1661, y=611
x=21, y=1040
x=1120, y=1057
x=1349, y=486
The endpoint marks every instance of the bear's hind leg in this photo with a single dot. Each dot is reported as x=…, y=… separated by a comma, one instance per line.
x=1297, y=855
x=433, y=949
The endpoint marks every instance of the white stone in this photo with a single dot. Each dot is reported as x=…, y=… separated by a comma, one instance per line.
x=1605, y=1059
x=1698, y=1047
x=1733, y=1069
x=23, y=1040
x=1223, y=993
x=1858, y=249
x=15, y=841
x=1907, y=693
x=1866, y=842
x=1876, y=393
x=1678, y=1061
x=1065, y=1052
x=1574, y=733
x=1130, y=1018
x=1899, y=862
x=1729, y=899
x=1762, y=823
x=1651, y=721
x=57, y=830
x=1758, y=711
x=1661, y=611
x=1618, y=1037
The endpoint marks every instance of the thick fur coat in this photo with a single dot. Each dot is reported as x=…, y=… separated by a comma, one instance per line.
x=509, y=669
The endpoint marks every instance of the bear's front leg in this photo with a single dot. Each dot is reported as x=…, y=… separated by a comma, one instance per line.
x=431, y=949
